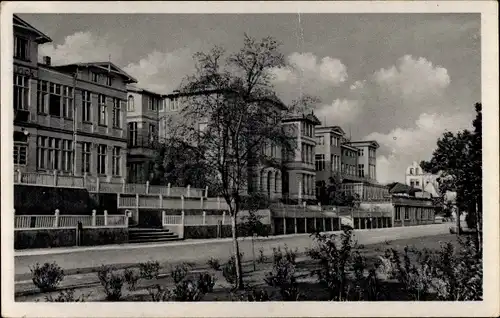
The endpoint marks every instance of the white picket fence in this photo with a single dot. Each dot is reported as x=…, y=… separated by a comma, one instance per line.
x=65, y=221
x=212, y=219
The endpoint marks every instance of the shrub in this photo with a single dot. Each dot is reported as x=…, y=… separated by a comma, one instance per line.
x=47, y=277
x=150, y=269
x=179, y=272
x=187, y=290
x=214, y=263
x=158, y=293
x=131, y=277
x=459, y=275
x=334, y=261
x=66, y=296
x=206, y=282
x=282, y=274
x=112, y=281
x=257, y=295
x=229, y=271
x=261, y=259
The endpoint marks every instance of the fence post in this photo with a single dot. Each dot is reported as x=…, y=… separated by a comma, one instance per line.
x=218, y=203
x=137, y=201
x=56, y=219
x=123, y=185
x=55, y=178
x=19, y=176
x=147, y=187
x=324, y=224
x=189, y=191
x=201, y=203
x=161, y=200
x=204, y=218
x=223, y=217
x=98, y=184
x=206, y=192
x=181, y=232
x=168, y=189
x=163, y=214
x=182, y=203
x=94, y=214
x=105, y=217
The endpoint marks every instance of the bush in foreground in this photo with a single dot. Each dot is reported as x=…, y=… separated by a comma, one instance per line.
x=282, y=274
x=150, y=269
x=112, y=281
x=47, y=276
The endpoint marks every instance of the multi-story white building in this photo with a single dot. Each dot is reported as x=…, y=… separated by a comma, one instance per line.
x=416, y=177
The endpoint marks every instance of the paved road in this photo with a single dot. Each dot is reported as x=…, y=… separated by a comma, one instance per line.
x=200, y=251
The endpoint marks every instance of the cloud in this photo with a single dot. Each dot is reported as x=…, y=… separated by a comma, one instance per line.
x=339, y=112
x=413, y=78
x=307, y=74
x=357, y=85
x=81, y=47
x=401, y=146
x=162, y=72
x=158, y=71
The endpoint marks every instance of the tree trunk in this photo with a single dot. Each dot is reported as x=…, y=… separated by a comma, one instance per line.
x=239, y=271
x=479, y=226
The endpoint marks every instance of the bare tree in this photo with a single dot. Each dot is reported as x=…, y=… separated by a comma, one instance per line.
x=235, y=120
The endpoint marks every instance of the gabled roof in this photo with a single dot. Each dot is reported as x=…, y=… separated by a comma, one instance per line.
x=103, y=67
x=142, y=91
x=336, y=129
x=303, y=117
x=371, y=143
x=20, y=23
x=346, y=145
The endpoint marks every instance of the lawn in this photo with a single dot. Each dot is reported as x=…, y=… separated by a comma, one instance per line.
x=254, y=279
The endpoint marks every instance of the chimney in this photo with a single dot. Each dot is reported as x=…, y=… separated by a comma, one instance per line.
x=46, y=60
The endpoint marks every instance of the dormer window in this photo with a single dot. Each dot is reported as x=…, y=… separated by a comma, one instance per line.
x=94, y=77
x=21, y=48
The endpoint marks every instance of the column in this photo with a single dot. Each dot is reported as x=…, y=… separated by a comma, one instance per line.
x=31, y=155
x=78, y=157
x=109, y=161
x=123, y=162
x=93, y=159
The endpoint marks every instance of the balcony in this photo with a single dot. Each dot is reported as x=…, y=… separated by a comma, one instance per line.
x=181, y=203
x=143, y=142
x=93, y=184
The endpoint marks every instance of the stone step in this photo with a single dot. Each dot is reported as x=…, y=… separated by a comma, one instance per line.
x=154, y=239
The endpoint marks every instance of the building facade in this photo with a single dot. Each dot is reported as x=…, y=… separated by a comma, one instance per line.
x=299, y=179
x=416, y=177
x=143, y=109
x=68, y=119
x=367, y=158
x=328, y=157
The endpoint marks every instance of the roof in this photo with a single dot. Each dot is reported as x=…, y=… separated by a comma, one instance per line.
x=142, y=91
x=103, y=66
x=303, y=117
x=371, y=143
x=336, y=129
x=346, y=145
x=20, y=23
x=403, y=188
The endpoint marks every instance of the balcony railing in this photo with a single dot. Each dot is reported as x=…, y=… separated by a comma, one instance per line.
x=151, y=201
x=93, y=184
x=66, y=221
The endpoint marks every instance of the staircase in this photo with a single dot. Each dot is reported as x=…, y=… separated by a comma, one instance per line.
x=146, y=235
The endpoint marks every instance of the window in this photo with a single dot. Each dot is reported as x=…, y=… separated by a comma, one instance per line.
x=152, y=103
x=407, y=213
x=411, y=170
x=67, y=102
x=130, y=104
x=343, y=168
x=116, y=161
x=416, y=171
x=86, y=106
x=397, y=216
x=320, y=162
x=361, y=170
x=320, y=140
x=417, y=183
x=94, y=77
x=86, y=157
x=20, y=148
x=49, y=153
x=117, y=113
x=67, y=155
x=103, y=111
x=361, y=152
x=101, y=159
x=21, y=48
x=161, y=106
x=273, y=150
x=132, y=134
x=42, y=97
x=21, y=92
x=109, y=81
x=55, y=100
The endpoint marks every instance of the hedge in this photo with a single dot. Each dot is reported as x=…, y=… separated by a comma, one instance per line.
x=45, y=238
x=210, y=231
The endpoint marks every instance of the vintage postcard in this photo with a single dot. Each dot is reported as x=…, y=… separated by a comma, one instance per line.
x=199, y=159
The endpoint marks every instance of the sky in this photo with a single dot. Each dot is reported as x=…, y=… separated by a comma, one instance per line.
x=399, y=79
